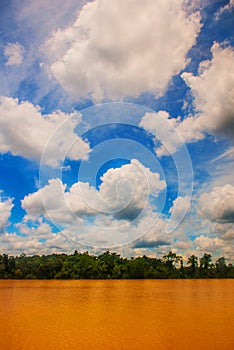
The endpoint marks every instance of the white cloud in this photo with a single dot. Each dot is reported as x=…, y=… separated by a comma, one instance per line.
x=31, y=22
x=128, y=188
x=5, y=212
x=115, y=213
x=227, y=8
x=170, y=133
x=14, y=54
x=119, y=48
x=221, y=169
x=38, y=18
x=155, y=237
x=123, y=192
x=25, y=131
x=37, y=229
x=164, y=129
x=213, y=91
x=13, y=244
x=229, y=234
x=207, y=244
x=49, y=202
x=218, y=205
x=227, y=154
x=225, y=230
x=181, y=205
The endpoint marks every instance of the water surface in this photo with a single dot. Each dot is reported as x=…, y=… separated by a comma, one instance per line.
x=117, y=315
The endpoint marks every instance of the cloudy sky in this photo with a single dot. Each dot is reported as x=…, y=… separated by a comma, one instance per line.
x=117, y=127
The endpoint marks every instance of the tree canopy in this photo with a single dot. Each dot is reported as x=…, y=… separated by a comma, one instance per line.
x=109, y=265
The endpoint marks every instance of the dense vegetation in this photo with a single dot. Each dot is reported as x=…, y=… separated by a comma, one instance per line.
x=111, y=266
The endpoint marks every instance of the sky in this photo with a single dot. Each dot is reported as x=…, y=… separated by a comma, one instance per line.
x=117, y=127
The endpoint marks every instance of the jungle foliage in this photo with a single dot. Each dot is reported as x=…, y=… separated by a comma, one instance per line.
x=109, y=265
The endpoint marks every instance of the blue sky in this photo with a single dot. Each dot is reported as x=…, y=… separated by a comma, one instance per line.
x=117, y=127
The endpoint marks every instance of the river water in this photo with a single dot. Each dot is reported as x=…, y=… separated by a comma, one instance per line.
x=117, y=315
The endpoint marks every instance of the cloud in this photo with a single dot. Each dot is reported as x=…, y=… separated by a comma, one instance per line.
x=170, y=133
x=225, y=230
x=227, y=8
x=227, y=154
x=218, y=205
x=129, y=187
x=219, y=169
x=30, y=22
x=35, y=228
x=155, y=237
x=25, y=131
x=50, y=202
x=14, y=54
x=229, y=234
x=117, y=213
x=181, y=205
x=119, y=48
x=15, y=244
x=207, y=244
x=123, y=194
x=36, y=20
x=5, y=212
x=213, y=91
x=167, y=139
x=150, y=244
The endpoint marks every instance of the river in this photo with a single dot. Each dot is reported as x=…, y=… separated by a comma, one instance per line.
x=117, y=315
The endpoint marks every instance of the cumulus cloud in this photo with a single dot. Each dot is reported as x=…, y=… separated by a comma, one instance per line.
x=25, y=131
x=123, y=194
x=5, y=212
x=229, y=234
x=164, y=128
x=181, y=205
x=225, y=230
x=49, y=202
x=213, y=91
x=155, y=237
x=118, y=212
x=119, y=48
x=15, y=244
x=129, y=187
x=208, y=244
x=14, y=54
x=34, y=228
x=218, y=205
x=171, y=133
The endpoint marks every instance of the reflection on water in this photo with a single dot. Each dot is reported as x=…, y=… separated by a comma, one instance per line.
x=123, y=315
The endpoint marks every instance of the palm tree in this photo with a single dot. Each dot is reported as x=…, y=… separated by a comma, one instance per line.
x=193, y=262
x=205, y=261
x=171, y=259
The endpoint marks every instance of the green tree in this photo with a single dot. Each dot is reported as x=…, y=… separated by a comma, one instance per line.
x=5, y=263
x=193, y=265
x=205, y=261
x=171, y=259
x=110, y=265
x=136, y=269
x=221, y=266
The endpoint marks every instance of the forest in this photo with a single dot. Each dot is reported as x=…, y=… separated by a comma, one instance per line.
x=109, y=265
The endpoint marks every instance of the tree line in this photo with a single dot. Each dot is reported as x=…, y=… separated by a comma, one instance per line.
x=109, y=265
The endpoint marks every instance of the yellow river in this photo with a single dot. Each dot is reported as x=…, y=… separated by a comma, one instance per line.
x=117, y=315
